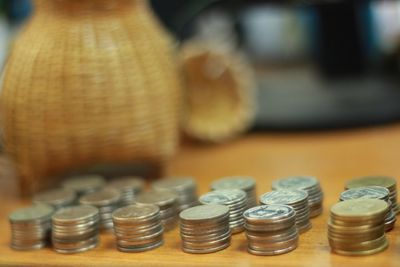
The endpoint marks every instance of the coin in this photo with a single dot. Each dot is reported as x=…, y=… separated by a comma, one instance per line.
x=129, y=187
x=84, y=184
x=138, y=227
x=30, y=227
x=271, y=229
x=247, y=184
x=57, y=198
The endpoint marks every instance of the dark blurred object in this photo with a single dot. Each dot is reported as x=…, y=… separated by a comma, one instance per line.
x=320, y=64
x=18, y=10
x=340, y=48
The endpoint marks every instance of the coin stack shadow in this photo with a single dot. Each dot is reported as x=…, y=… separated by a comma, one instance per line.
x=58, y=198
x=84, y=184
x=30, y=227
x=166, y=200
x=129, y=188
x=373, y=192
x=106, y=200
x=138, y=228
x=271, y=230
x=307, y=183
x=205, y=229
x=390, y=183
x=235, y=200
x=297, y=199
x=75, y=229
x=356, y=227
x=247, y=184
x=184, y=187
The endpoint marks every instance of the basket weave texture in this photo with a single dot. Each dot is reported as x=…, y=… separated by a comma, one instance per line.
x=88, y=82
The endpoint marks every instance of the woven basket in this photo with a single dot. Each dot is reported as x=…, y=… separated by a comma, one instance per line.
x=89, y=82
x=220, y=92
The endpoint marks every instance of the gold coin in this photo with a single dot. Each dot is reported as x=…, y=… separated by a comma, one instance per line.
x=362, y=252
x=356, y=209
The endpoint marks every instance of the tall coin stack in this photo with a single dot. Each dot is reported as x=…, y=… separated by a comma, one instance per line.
x=30, y=227
x=307, y=183
x=235, y=200
x=205, y=229
x=129, y=188
x=356, y=227
x=372, y=192
x=184, y=187
x=84, y=184
x=58, y=198
x=138, y=228
x=106, y=200
x=297, y=199
x=271, y=230
x=247, y=184
x=75, y=229
x=389, y=183
x=166, y=200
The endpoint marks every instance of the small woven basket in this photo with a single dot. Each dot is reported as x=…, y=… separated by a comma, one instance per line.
x=89, y=82
x=219, y=92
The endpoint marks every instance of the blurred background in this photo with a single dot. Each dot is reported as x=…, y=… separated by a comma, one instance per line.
x=317, y=64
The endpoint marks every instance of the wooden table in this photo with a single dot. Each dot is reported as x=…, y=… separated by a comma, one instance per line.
x=334, y=157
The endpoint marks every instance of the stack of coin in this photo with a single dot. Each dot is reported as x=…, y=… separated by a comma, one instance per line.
x=389, y=183
x=166, y=200
x=307, y=183
x=30, y=227
x=75, y=229
x=138, y=228
x=184, y=187
x=356, y=227
x=372, y=192
x=205, y=229
x=235, y=200
x=271, y=230
x=58, y=198
x=84, y=184
x=246, y=184
x=129, y=188
x=297, y=199
x=106, y=200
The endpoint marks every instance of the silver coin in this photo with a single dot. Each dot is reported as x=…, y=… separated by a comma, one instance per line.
x=136, y=212
x=75, y=213
x=103, y=197
x=160, y=198
x=55, y=197
x=286, y=197
x=243, y=183
x=204, y=212
x=377, y=192
x=84, y=183
x=269, y=212
x=223, y=197
x=296, y=182
x=32, y=214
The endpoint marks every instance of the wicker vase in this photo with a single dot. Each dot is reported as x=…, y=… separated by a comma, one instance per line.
x=89, y=82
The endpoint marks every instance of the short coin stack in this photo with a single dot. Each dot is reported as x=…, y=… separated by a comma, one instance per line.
x=106, y=200
x=129, y=188
x=205, y=229
x=30, y=227
x=271, y=230
x=307, y=183
x=372, y=192
x=185, y=188
x=58, y=198
x=297, y=199
x=84, y=184
x=356, y=227
x=75, y=229
x=166, y=200
x=138, y=228
x=389, y=183
x=235, y=200
x=246, y=184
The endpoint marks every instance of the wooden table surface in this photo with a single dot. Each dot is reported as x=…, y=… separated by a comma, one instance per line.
x=333, y=157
